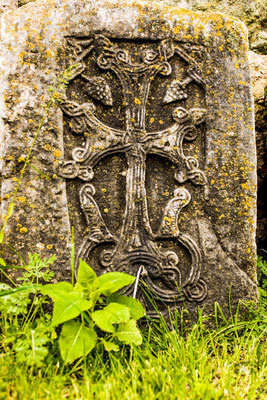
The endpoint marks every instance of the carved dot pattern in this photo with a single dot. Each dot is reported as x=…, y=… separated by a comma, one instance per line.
x=174, y=92
x=99, y=89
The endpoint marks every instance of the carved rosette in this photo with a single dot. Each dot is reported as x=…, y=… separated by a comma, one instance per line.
x=136, y=245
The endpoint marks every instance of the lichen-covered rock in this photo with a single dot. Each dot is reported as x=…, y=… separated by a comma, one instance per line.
x=251, y=12
x=6, y=5
x=151, y=154
x=258, y=63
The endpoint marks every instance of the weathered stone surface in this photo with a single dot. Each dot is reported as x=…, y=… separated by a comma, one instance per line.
x=152, y=153
x=253, y=14
x=258, y=63
x=6, y=5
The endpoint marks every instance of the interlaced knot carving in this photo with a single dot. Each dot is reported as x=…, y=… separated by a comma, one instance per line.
x=136, y=245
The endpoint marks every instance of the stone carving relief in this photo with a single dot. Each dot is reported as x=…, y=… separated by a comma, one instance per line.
x=135, y=247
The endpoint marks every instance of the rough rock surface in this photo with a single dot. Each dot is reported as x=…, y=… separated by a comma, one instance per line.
x=6, y=5
x=258, y=64
x=151, y=156
x=253, y=14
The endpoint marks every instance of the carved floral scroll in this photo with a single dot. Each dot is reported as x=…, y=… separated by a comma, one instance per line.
x=136, y=245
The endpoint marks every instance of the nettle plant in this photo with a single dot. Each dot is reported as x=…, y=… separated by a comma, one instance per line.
x=89, y=312
x=92, y=312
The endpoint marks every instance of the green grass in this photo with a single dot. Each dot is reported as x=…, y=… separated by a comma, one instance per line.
x=196, y=362
x=226, y=363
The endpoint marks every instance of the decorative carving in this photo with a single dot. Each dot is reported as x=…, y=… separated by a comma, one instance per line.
x=136, y=244
x=98, y=89
x=175, y=92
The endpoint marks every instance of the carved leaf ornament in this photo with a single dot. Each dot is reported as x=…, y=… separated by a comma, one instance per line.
x=135, y=248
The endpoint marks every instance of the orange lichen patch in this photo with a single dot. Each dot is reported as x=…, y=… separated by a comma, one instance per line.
x=57, y=153
x=23, y=230
x=22, y=199
x=47, y=147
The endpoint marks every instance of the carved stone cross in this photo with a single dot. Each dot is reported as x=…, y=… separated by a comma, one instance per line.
x=136, y=244
x=157, y=144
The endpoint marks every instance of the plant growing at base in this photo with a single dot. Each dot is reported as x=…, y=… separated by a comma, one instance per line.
x=90, y=312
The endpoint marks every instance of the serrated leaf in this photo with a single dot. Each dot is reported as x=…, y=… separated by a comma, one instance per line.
x=55, y=289
x=86, y=277
x=129, y=333
x=136, y=309
x=110, y=346
x=78, y=288
x=68, y=303
x=69, y=306
x=114, y=313
x=112, y=281
x=76, y=340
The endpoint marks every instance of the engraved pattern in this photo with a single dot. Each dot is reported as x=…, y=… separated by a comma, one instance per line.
x=136, y=244
x=99, y=89
x=175, y=92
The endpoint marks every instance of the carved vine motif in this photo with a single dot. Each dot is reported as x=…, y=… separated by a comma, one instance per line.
x=136, y=244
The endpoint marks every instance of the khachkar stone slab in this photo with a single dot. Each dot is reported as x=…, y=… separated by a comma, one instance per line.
x=151, y=154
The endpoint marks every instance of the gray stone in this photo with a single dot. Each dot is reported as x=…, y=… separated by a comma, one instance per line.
x=151, y=154
x=258, y=64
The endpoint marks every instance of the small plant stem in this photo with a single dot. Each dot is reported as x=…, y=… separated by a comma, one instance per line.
x=29, y=316
x=39, y=172
x=16, y=252
x=11, y=280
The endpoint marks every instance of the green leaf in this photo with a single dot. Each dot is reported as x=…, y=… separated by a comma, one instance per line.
x=2, y=262
x=112, y=281
x=30, y=289
x=129, y=333
x=76, y=340
x=110, y=346
x=56, y=289
x=10, y=210
x=68, y=303
x=114, y=313
x=78, y=288
x=86, y=277
x=1, y=236
x=136, y=309
x=69, y=306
